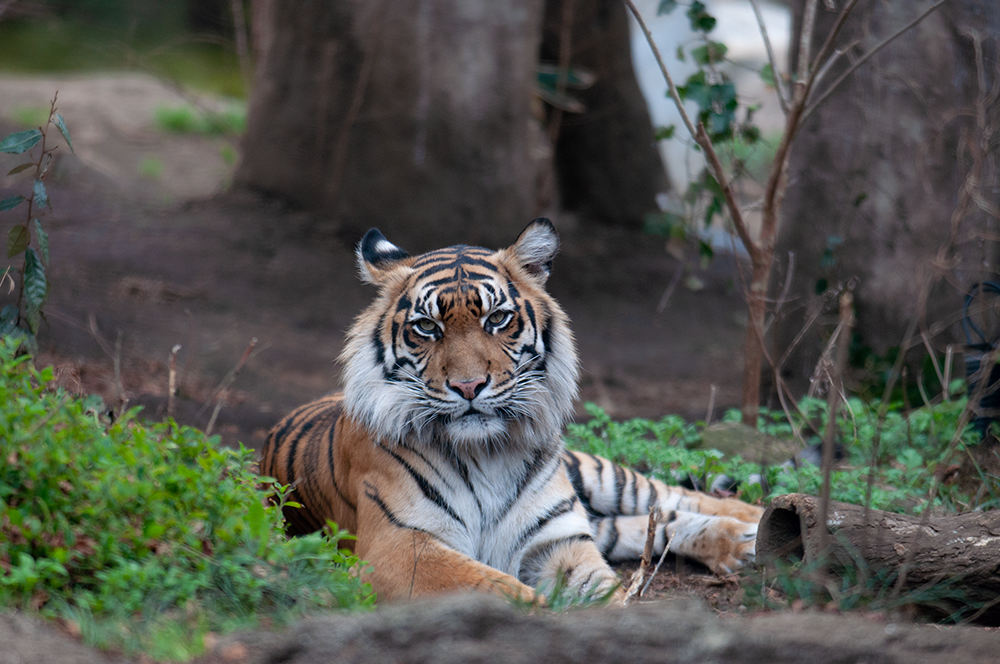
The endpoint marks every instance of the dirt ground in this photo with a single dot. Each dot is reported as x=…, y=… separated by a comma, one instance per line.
x=150, y=249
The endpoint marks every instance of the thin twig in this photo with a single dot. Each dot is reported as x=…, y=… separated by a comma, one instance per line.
x=666, y=548
x=672, y=286
x=805, y=43
x=867, y=56
x=223, y=390
x=770, y=58
x=836, y=380
x=172, y=380
x=711, y=405
x=635, y=585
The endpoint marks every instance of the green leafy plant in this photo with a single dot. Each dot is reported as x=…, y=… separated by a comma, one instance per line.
x=23, y=319
x=139, y=533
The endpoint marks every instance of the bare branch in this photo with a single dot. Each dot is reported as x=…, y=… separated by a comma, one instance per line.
x=663, y=69
x=770, y=58
x=867, y=56
x=805, y=43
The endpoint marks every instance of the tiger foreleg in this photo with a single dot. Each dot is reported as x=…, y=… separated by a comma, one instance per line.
x=408, y=563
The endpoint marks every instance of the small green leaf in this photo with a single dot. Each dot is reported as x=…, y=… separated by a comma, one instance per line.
x=665, y=133
x=710, y=53
x=10, y=203
x=43, y=241
x=36, y=287
x=21, y=141
x=701, y=20
x=17, y=240
x=680, y=54
x=18, y=169
x=8, y=320
x=64, y=131
x=41, y=196
x=767, y=74
x=665, y=7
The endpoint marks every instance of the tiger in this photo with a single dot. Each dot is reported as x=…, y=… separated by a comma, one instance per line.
x=443, y=454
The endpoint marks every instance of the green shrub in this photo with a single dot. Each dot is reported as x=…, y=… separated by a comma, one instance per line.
x=912, y=444
x=139, y=533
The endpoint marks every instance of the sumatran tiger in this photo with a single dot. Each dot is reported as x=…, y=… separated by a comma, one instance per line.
x=443, y=455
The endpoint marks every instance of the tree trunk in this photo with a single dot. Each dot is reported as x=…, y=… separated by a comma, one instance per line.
x=894, y=177
x=959, y=553
x=411, y=115
x=607, y=164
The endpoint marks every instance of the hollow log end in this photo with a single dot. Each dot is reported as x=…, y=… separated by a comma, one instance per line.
x=779, y=535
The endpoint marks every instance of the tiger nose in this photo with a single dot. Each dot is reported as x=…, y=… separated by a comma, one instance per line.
x=469, y=389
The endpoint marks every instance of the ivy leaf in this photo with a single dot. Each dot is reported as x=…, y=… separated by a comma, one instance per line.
x=665, y=133
x=41, y=196
x=665, y=7
x=767, y=74
x=22, y=167
x=58, y=120
x=680, y=54
x=20, y=141
x=701, y=20
x=710, y=53
x=43, y=241
x=10, y=203
x=36, y=287
x=17, y=240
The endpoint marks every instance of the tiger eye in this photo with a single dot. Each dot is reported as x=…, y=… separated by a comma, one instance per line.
x=497, y=317
x=426, y=324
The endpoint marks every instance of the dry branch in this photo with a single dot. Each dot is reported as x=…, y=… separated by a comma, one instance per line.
x=962, y=551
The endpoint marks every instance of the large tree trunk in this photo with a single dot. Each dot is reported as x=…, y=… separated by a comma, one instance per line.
x=410, y=115
x=900, y=164
x=960, y=554
x=607, y=164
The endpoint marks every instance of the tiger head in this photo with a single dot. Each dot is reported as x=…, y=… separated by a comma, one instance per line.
x=462, y=345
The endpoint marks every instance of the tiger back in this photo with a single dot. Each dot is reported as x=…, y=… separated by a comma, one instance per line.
x=444, y=456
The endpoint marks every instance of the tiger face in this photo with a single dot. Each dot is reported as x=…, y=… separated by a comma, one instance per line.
x=468, y=347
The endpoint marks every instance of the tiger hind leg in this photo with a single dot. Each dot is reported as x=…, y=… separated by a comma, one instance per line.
x=723, y=544
x=718, y=532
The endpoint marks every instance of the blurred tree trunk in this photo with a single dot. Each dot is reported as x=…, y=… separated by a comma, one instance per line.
x=894, y=178
x=410, y=115
x=607, y=164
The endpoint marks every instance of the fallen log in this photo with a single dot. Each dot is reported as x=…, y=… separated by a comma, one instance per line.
x=961, y=552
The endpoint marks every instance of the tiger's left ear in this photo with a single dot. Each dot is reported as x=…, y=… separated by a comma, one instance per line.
x=536, y=246
x=377, y=257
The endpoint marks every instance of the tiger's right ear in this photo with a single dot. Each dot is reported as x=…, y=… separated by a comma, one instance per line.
x=377, y=257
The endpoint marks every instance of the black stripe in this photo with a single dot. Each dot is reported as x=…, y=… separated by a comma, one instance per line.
x=329, y=459
x=544, y=550
x=429, y=490
x=619, y=487
x=651, y=497
x=573, y=471
x=373, y=495
x=614, y=537
x=635, y=492
x=564, y=506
